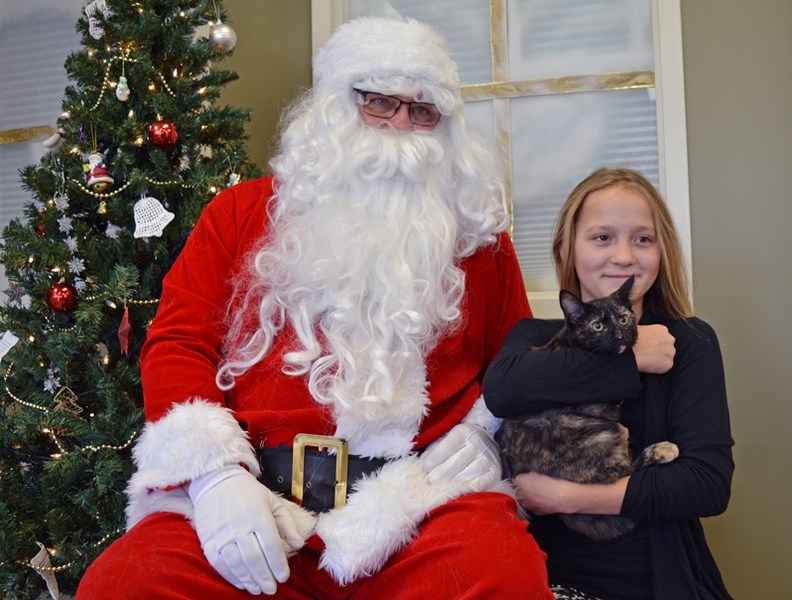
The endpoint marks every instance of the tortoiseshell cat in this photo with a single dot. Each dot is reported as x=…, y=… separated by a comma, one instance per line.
x=583, y=443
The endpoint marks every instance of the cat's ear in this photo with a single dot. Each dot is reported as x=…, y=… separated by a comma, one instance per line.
x=574, y=308
x=623, y=293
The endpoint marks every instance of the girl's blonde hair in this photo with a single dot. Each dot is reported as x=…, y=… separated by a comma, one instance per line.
x=670, y=293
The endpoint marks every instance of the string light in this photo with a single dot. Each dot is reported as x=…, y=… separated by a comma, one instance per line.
x=85, y=190
x=125, y=57
x=38, y=407
x=55, y=455
x=53, y=552
x=123, y=446
x=58, y=569
x=162, y=183
x=45, y=430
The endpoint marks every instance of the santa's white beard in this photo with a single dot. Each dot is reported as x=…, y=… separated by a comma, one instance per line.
x=363, y=269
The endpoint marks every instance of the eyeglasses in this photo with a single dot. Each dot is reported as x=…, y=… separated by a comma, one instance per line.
x=385, y=107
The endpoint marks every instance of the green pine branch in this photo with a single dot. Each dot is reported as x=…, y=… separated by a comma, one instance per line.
x=71, y=397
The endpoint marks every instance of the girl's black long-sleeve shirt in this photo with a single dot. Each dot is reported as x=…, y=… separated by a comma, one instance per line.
x=686, y=406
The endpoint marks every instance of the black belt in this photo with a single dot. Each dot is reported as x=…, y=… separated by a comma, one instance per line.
x=315, y=478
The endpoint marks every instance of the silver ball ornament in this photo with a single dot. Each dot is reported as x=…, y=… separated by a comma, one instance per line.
x=222, y=37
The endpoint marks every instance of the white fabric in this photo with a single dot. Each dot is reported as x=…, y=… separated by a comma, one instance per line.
x=384, y=510
x=246, y=531
x=195, y=438
x=378, y=48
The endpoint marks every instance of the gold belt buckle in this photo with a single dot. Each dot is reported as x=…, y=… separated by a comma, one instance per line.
x=322, y=442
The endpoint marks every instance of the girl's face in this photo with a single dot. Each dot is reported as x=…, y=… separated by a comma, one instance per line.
x=615, y=237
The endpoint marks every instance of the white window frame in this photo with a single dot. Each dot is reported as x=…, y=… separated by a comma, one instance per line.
x=326, y=15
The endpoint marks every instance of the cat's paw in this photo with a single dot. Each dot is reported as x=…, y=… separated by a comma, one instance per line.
x=658, y=454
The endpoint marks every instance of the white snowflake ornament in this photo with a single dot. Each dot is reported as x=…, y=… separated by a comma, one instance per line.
x=65, y=224
x=112, y=231
x=76, y=265
x=61, y=202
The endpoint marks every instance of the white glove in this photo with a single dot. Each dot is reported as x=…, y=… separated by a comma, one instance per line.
x=466, y=452
x=245, y=530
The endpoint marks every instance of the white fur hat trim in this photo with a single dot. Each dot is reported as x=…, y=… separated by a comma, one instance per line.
x=374, y=47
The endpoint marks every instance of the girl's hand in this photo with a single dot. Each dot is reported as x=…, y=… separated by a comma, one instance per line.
x=543, y=495
x=654, y=350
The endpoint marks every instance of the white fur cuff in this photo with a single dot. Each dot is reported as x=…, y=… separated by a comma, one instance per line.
x=194, y=438
x=379, y=518
x=383, y=512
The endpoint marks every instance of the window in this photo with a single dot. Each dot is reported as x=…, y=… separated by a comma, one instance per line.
x=35, y=38
x=559, y=88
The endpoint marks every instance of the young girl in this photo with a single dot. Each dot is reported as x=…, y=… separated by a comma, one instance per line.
x=613, y=225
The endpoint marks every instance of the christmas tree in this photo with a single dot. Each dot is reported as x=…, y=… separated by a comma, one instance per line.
x=142, y=145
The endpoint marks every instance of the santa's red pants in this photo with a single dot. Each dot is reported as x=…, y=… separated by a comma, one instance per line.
x=473, y=547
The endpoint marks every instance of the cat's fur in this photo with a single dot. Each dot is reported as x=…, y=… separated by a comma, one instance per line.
x=583, y=443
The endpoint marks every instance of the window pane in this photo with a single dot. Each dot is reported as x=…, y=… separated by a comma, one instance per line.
x=554, y=38
x=479, y=118
x=557, y=141
x=34, y=39
x=464, y=23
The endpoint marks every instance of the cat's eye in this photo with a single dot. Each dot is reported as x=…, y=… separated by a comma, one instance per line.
x=624, y=319
x=597, y=326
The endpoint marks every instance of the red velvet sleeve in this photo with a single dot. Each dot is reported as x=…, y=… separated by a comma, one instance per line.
x=179, y=359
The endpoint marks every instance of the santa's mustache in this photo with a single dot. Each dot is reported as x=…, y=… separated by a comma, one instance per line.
x=380, y=154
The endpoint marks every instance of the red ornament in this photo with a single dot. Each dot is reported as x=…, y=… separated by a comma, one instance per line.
x=40, y=230
x=62, y=297
x=124, y=332
x=162, y=134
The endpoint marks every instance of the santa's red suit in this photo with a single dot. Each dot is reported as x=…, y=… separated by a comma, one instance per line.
x=191, y=431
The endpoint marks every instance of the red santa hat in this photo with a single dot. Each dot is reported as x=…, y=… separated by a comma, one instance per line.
x=378, y=48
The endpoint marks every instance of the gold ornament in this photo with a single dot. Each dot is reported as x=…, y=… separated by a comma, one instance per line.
x=66, y=401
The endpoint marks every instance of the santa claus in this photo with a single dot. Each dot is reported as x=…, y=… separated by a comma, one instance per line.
x=312, y=379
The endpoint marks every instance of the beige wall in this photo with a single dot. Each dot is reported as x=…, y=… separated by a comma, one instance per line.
x=738, y=79
x=738, y=61
x=273, y=60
